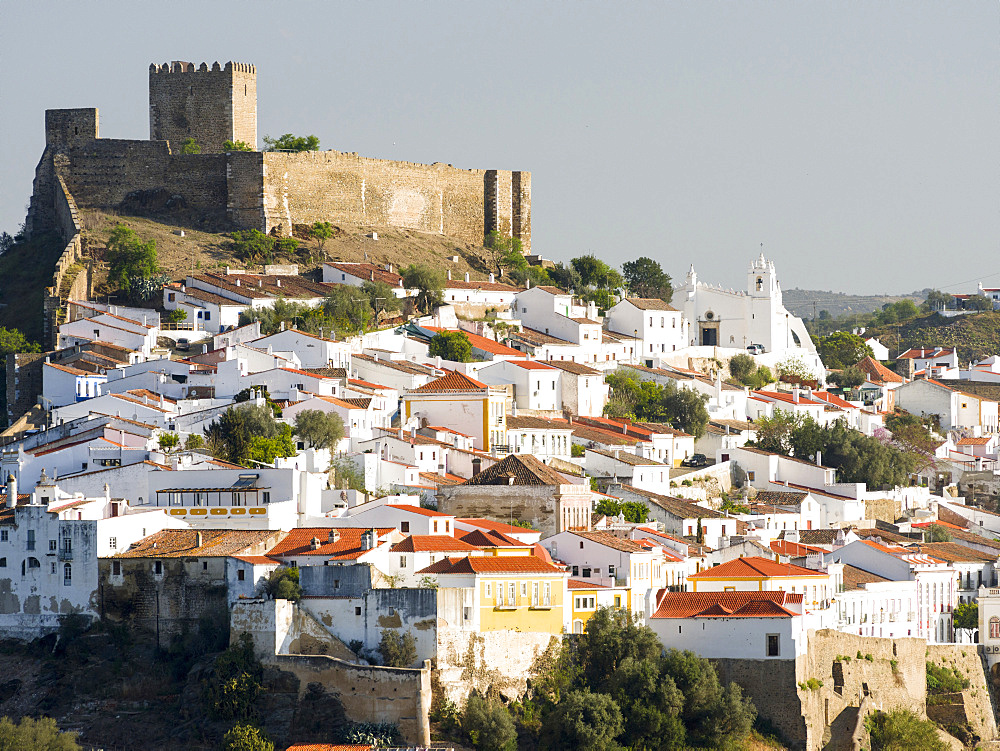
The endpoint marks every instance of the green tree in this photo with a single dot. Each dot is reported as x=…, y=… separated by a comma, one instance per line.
x=190, y=146
x=902, y=730
x=177, y=315
x=937, y=300
x=349, y=308
x=583, y=720
x=252, y=246
x=32, y=734
x=287, y=246
x=13, y=341
x=169, y=441
x=347, y=475
x=644, y=277
x=397, y=651
x=488, y=725
x=978, y=302
x=429, y=283
x=194, y=441
x=537, y=275
x=849, y=378
x=842, y=349
x=635, y=512
x=321, y=429
x=129, y=258
x=596, y=273
x=451, y=345
x=381, y=297
x=283, y=583
x=967, y=616
x=245, y=432
x=236, y=146
x=793, y=369
x=504, y=252
x=745, y=370
x=233, y=690
x=288, y=142
x=685, y=409
x=566, y=277
x=321, y=232
x=246, y=738
x=937, y=533
x=646, y=401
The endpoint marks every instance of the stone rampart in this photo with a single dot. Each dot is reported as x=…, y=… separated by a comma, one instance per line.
x=67, y=223
x=972, y=706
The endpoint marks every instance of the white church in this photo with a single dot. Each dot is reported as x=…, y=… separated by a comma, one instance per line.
x=731, y=319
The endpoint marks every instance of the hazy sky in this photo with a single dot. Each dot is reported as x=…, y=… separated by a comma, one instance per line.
x=859, y=142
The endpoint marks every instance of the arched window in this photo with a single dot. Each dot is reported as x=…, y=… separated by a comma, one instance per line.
x=995, y=628
x=67, y=574
x=760, y=284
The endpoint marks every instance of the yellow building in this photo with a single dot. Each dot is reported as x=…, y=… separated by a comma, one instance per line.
x=508, y=593
x=463, y=404
x=586, y=597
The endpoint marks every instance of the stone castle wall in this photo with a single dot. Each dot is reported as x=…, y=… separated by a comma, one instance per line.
x=211, y=106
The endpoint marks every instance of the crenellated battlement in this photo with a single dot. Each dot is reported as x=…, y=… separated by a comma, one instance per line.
x=179, y=66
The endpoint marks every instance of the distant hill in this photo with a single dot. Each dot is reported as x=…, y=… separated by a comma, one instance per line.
x=807, y=303
x=976, y=335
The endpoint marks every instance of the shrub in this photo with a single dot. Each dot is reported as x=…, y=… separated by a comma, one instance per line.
x=246, y=738
x=397, y=651
x=944, y=680
x=42, y=734
x=488, y=725
x=902, y=729
x=233, y=693
x=283, y=584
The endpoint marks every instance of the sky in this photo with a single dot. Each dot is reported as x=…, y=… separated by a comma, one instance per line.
x=856, y=144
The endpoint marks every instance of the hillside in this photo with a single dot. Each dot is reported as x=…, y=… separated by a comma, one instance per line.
x=198, y=251
x=975, y=335
x=807, y=303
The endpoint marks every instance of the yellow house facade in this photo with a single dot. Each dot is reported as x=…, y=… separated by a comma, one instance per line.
x=586, y=597
x=463, y=404
x=509, y=593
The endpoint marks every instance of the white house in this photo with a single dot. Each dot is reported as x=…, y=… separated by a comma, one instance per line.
x=584, y=391
x=542, y=437
x=312, y=351
x=537, y=386
x=956, y=409
x=659, y=327
x=357, y=274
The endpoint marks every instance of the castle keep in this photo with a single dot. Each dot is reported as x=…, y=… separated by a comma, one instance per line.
x=268, y=191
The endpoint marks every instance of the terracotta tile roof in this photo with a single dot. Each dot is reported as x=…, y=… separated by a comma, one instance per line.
x=877, y=372
x=537, y=338
x=327, y=747
x=530, y=364
x=482, y=343
x=925, y=354
x=650, y=303
x=755, y=567
x=780, y=498
x=432, y=544
x=609, y=540
x=633, y=460
x=974, y=441
x=487, y=286
x=257, y=560
x=183, y=543
x=492, y=564
x=434, y=479
x=833, y=399
x=854, y=577
x=599, y=435
x=551, y=290
x=491, y=539
x=678, y=507
x=971, y=537
x=508, y=529
x=728, y=605
x=577, y=368
x=794, y=549
x=580, y=584
x=953, y=552
x=525, y=469
x=454, y=381
x=529, y=422
x=346, y=547
x=368, y=271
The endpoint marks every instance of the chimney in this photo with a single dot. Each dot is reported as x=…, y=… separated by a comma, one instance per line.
x=334, y=536
x=107, y=492
x=368, y=539
x=466, y=276
x=278, y=282
x=492, y=278
x=477, y=466
x=819, y=458
x=260, y=282
x=795, y=395
x=197, y=539
x=389, y=267
x=11, y=490
x=449, y=275
x=314, y=543
x=371, y=275
x=237, y=282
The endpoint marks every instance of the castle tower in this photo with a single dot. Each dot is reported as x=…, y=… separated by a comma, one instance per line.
x=211, y=106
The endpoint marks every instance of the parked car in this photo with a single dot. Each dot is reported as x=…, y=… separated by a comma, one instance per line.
x=695, y=460
x=183, y=345
x=755, y=349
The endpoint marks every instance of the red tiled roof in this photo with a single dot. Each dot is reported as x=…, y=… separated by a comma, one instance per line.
x=369, y=271
x=580, y=584
x=877, y=372
x=727, y=605
x=184, y=543
x=417, y=510
x=974, y=441
x=491, y=539
x=754, y=567
x=432, y=544
x=454, y=381
x=796, y=549
x=492, y=564
x=482, y=343
x=347, y=547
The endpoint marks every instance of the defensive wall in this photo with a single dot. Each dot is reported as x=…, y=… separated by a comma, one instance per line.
x=368, y=693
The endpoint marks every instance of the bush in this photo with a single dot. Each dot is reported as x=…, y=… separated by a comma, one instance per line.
x=397, y=651
x=488, y=725
x=583, y=720
x=283, y=584
x=451, y=345
x=246, y=738
x=130, y=259
x=190, y=146
x=902, y=729
x=236, y=146
x=233, y=693
x=321, y=429
x=943, y=680
x=37, y=735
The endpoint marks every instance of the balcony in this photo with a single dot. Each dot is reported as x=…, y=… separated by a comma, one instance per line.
x=65, y=554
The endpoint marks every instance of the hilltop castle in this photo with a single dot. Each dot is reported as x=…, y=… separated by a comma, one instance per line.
x=268, y=191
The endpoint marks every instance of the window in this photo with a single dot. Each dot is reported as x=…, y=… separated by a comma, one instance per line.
x=204, y=565
x=534, y=593
x=116, y=568
x=512, y=594
x=3, y=535
x=773, y=645
x=548, y=594
x=357, y=611
x=402, y=561
x=404, y=527
x=267, y=496
x=750, y=476
x=435, y=525
x=488, y=589
x=158, y=568
x=67, y=545
x=618, y=601
x=113, y=543
x=524, y=589
x=241, y=575
x=68, y=575
x=31, y=539
x=52, y=567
